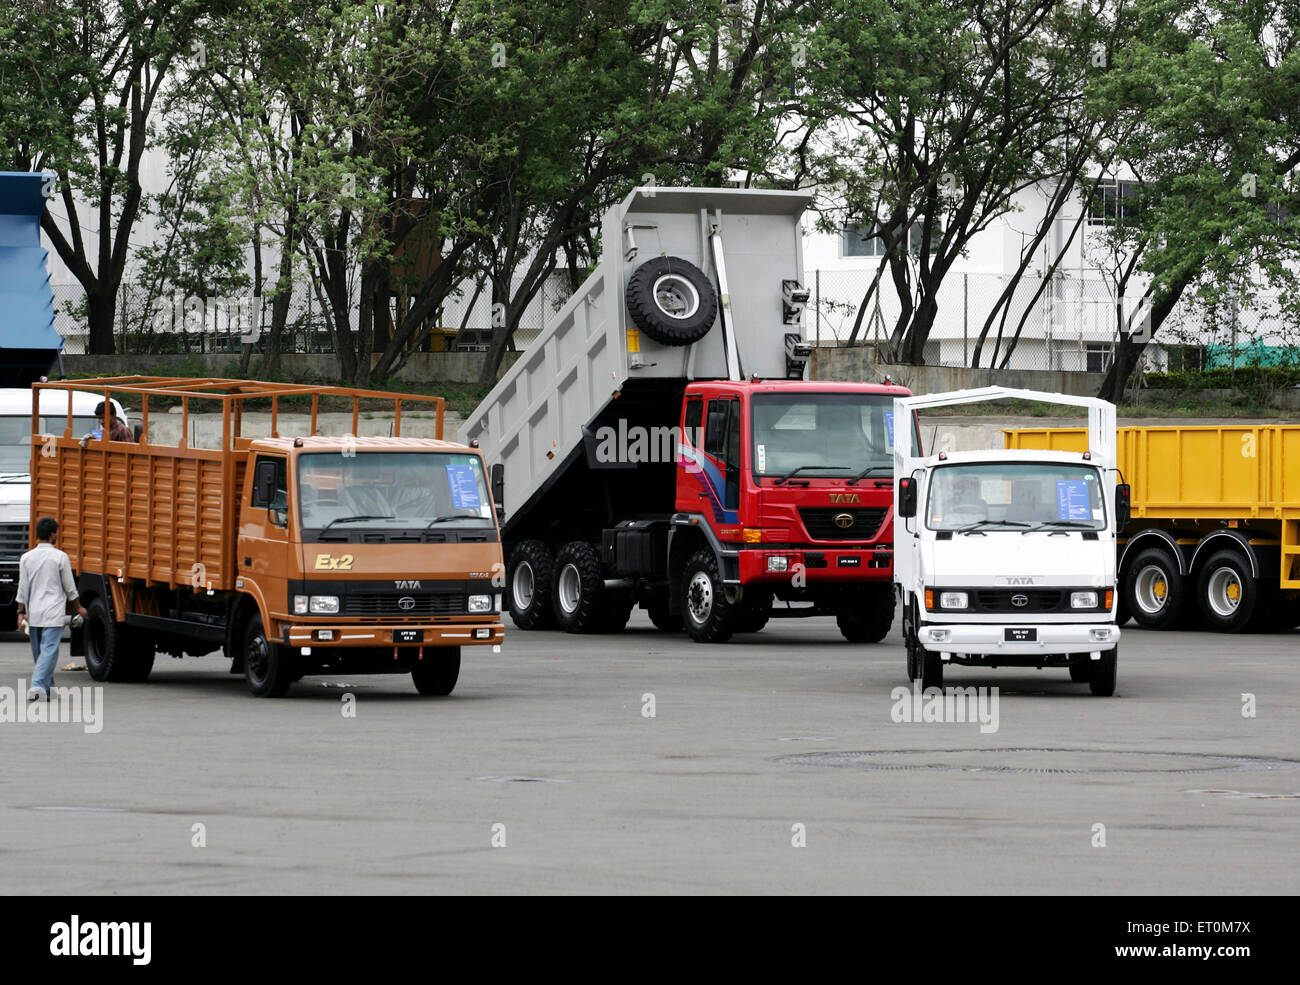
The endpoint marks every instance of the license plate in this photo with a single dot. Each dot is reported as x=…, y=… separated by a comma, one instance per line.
x=1021, y=635
x=408, y=636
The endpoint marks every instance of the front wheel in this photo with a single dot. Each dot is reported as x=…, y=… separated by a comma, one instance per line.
x=1104, y=671
x=268, y=667
x=437, y=672
x=707, y=615
x=869, y=616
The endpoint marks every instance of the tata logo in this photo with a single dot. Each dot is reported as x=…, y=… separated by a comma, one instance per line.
x=1020, y=600
x=843, y=520
x=406, y=603
x=1016, y=580
x=845, y=498
x=400, y=585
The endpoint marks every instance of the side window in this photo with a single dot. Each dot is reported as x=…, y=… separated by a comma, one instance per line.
x=716, y=432
x=722, y=441
x=694, y=414
x=281, y=498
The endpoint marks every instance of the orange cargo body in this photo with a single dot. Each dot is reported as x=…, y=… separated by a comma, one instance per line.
x=258, y=545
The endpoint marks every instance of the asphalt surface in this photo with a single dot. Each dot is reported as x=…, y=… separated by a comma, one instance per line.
x=549, y=739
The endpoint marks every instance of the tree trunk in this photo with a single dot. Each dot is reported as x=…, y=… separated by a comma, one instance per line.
x=101, y=311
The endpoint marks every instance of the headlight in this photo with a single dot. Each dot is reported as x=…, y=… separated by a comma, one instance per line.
x=778, y=564
x=952, y=600
x=480, y=603
x=300, y=605
x=1083, y=600
x=324, y=604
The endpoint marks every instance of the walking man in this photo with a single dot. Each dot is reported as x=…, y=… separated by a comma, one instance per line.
x=46, y=592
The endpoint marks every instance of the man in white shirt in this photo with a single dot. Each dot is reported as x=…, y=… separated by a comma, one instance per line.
x=46, y=593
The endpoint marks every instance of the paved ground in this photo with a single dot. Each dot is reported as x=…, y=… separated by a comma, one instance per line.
x=702, y=798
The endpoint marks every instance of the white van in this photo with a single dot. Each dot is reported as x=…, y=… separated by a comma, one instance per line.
x=15, y=461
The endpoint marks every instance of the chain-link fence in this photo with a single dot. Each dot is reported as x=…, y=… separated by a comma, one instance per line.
x=147, y=323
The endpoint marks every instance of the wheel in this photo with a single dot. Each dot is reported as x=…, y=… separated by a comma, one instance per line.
x=753, y=612
x=268, y=667
x=1081, y=673
x=1122, y=612
x=577, y=588
x=869, y=616
x=8, y=617
x=113, y=651
x=929, y=668
x=529, y=582
x=671, y=300
x=1102, y=681
x=1227, y=593
x=1153, y=589
x=664, y=621
x=436, y=674
x=709, y=617
x=615, y=610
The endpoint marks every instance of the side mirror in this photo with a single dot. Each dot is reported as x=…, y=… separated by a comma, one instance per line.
x=1123, y=505
x=264, y=484
x=907, y=498
x=497, y=474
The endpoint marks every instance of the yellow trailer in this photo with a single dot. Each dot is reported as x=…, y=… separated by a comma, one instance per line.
x=1215, y=528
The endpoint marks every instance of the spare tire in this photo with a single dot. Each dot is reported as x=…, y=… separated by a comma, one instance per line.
x=672, y=301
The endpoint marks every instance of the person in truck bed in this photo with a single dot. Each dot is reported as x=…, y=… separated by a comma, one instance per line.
x=118, y=431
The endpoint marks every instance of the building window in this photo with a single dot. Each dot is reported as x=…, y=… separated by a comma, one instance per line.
x=1113, y=201
x=1098, y=355
x=862, y=241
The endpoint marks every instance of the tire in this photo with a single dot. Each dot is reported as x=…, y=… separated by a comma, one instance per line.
x=929, y=668
x=1081, y=673
x=529, y=583
x=113, y=651
x=437, y=673
x=268, y=667
x=754, y=612
x=870, y=616
x=672, y=301
x=577, y=587
x=616, y=609
x=1122, y=612
x=706, y=613
x=1102, y=681
x=8, y=617
x=1154, y=591
x=663, y=620
x=1228, y=596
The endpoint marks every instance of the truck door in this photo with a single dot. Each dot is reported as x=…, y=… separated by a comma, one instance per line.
x=264, y=531
x=722, y=449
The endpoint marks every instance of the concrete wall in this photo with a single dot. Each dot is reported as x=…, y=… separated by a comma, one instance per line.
x=423, y=367
x=857, y=365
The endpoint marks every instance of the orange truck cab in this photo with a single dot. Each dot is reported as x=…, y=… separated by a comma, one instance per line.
x=296, y=553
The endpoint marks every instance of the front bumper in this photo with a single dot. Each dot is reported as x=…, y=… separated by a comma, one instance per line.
x=818, y=565
x=388, y=635
x=990, y=638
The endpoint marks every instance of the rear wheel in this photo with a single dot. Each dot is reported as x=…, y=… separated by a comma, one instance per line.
x=1154, y=590
x=707, y=615
x=114, y=652
x=1102, y=681
x=869, y=616
x=437, y=672
x=269, y=668
x=578, y=586
x=1227, y=593
x=529, y=581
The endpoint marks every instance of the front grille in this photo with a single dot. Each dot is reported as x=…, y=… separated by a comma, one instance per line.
x=1036, y=600
x=820, y=522
x=13, y=541
x=386, y=604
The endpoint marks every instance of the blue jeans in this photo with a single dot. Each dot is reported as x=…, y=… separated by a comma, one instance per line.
x=45, y=651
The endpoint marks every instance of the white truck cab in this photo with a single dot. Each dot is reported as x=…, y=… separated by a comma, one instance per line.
x=1007, y=558
x=15, y=461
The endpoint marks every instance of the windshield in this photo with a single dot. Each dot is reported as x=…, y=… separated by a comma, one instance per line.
x=16, y=437
x=1016, y=496
x=384, y=490
x=822, y=434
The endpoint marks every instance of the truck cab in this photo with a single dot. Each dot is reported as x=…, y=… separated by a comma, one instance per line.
x=1007, y=558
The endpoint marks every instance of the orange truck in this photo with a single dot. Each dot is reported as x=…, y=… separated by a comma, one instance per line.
x=296, y=553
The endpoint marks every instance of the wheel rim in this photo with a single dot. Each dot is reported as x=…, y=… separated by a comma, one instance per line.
x=1151, y=589
x=699, y=597
x=258, y=658
x=1224, y=591
x=569, y=588
x=676, y=296
x=521, y=586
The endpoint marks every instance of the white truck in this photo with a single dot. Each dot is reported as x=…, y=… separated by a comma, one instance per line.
x=1007, y=558
x=15, y=463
